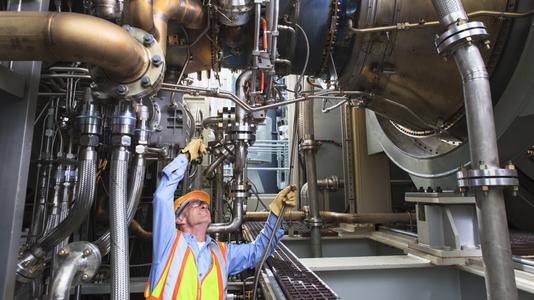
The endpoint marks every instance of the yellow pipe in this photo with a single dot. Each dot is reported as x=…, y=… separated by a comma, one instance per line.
x=141, y=16
x=72, y=37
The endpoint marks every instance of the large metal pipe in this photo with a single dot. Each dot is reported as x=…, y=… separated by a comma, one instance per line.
x=80, y=260
x=190, y=13
x=311, y=177
x=330, y=216
x=72, y=37
x=141, y=16
x=494, y=236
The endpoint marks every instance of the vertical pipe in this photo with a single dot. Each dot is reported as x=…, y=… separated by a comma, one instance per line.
x=256, y=51
x=491, y=211
x=123, y=125
x=118, y=225
x=494, y=236
x=240, y=187
x=311, y=177
x=348, y=158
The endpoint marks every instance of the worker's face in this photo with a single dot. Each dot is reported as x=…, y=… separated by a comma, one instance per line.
x=196, y=213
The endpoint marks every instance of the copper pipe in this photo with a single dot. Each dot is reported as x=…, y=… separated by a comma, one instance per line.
x=190, y=13
x=140, y=15
x=72, y=37
x=405, y=217
x=139, y=231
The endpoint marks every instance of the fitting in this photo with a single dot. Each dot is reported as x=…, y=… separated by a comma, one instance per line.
x=145, y=85
x=122, y=125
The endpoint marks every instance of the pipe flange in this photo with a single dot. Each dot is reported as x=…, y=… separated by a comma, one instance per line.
x=88, y=257
x=243, y=128
x=146, y=85
x=459, y=34
x=243, y=136
x=488, y=178
x=240, y=190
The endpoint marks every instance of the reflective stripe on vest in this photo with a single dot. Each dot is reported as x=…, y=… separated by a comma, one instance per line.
x=179, y=279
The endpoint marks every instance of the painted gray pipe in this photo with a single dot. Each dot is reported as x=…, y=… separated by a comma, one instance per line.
x=79, y=262
x=492, y=222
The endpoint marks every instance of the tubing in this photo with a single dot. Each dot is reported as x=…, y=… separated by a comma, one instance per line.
x=81, y=208
x=264, y=255
x=72, y=37
x=239, y=166
x=329, y=216
x=492, y=222
x=120, y=276
x=135, y=189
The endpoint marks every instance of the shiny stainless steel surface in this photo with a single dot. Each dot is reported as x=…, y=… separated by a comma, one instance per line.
x=403, y=66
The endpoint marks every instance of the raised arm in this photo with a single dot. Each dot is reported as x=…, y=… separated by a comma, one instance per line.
x=164, y=227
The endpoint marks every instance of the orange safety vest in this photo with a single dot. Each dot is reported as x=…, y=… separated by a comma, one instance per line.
x=179, y=279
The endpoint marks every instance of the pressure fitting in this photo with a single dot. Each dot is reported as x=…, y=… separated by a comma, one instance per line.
x=144, y=85
x=122, y=125
x=89, y=121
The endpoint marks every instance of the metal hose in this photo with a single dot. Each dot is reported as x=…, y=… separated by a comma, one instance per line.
x=119, y=227
x=135, y=188
x=80, y=209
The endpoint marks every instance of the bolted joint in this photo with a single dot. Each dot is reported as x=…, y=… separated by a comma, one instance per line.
x=145, y=81
x=63, y=252
x=148, y=40
x=156, y=60
x=87, y=252
x=122, y=90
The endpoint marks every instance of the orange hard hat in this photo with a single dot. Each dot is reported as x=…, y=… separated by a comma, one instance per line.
x=181, y=202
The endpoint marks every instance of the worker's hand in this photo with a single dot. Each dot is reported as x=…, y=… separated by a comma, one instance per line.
x=195, y=148
x=286, y=196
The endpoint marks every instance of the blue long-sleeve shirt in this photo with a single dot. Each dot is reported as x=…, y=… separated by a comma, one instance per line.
x=238, y=257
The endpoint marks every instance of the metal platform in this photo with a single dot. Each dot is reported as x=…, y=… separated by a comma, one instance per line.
x=295, y=279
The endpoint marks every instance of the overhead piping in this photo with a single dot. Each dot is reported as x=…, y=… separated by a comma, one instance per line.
x=72, y=37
